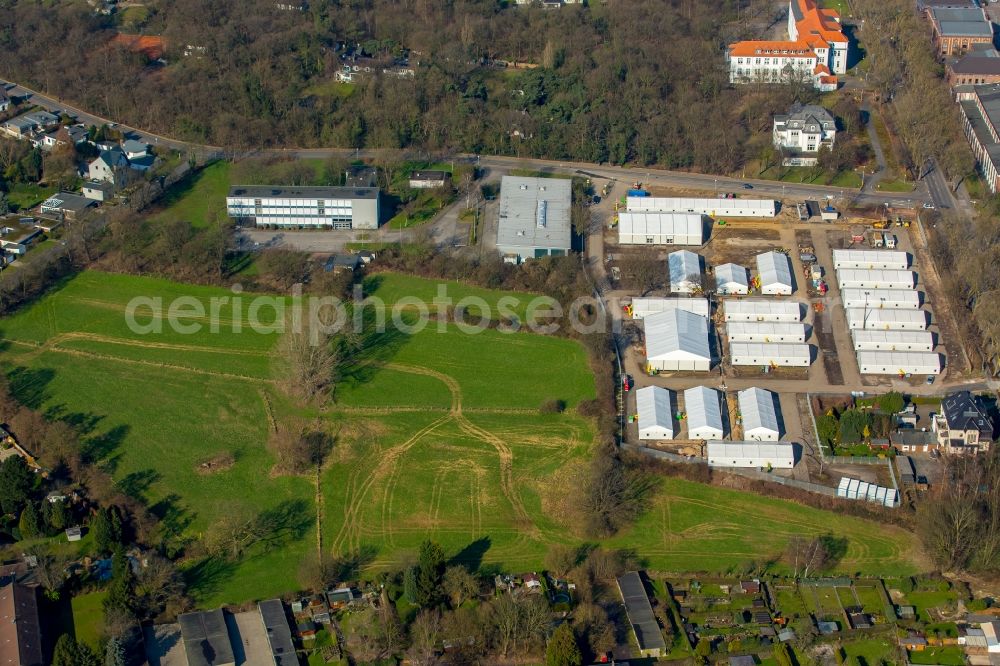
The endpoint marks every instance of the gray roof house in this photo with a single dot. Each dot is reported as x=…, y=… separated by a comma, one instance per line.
x=801, y=132
x=206, y=639
x=109, y=167
x=534, y=218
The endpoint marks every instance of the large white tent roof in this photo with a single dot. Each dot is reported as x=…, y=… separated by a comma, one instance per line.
x=874, y=279
x=653, y=405
x=774, y=452
x=886, y=318
x=848, y=258
x=701, y=404
x=685, y=269
x=762, y=309
x=676, y=334
x=774, y=268
x=854, y=297
x=652, y=223
x=757, y=409
x=642, y=307
x=873, y=340
x=731, y=278
x=765, y=331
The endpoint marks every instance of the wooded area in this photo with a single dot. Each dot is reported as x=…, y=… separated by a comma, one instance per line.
x=604, y=89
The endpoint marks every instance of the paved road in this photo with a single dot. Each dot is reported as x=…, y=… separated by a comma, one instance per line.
x=677, y=179
x=870, y=183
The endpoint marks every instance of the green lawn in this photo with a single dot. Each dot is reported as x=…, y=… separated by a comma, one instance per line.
x=894, y=185
x=925, y=601
x=438, y=434
x=873, y=651
x=331, y=88
x=194, y=198
x=88, y=617
x=951, y=655
x=23, y=196
x=846, y=179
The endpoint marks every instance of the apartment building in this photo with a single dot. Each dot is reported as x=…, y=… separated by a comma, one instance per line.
x=958, y=29
x=980, y=107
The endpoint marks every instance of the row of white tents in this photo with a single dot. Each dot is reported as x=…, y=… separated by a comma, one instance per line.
x=766, y=333
x=759, y=414
x=882, y=305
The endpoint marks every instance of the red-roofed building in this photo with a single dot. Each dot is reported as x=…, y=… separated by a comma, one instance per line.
x=816, y=50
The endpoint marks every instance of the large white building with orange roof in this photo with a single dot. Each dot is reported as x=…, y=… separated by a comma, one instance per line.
x=816, y=50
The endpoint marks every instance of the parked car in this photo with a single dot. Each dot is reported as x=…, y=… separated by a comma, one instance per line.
x=930, y=379
x=747, y=186
x=929, y=206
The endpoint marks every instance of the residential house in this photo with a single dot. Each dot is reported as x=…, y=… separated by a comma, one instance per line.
x=816, y=50
x=342, y=262
x=97, y=190
x=913, y=441
x=206, y=638
x=111, y=166
x=20, y=626
x=134, y=149
x=958, y=29
x=65, y=206
x=422, y=180
x=801, y=133
x=23, y=126
x=963, y=427
x=978, y=66
x=5, y=102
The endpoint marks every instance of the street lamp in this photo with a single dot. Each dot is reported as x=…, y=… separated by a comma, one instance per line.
x=716, y=187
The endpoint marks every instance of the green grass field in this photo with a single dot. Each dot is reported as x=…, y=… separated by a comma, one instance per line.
x=438, y=435
x=88, y=617
x=192, y=200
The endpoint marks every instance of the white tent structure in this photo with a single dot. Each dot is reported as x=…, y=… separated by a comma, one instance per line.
x=762, y=310
x=761, y=420
x=654, y=407
x=704, y=413
x=886, y=299
x=871, y=259
x=778, y=455
x=886, y=320
x=642, y=307
x=775, y=354
x=677, y=340
x=857, y=489
x=731, y=279
x=685, y=271
x=768, y=331
x=898, y=363
x=868, y=340
x=658, y=228
x=711, y=207
x=863, y=278
x=775, y=271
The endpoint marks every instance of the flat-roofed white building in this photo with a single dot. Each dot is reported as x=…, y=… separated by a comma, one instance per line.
x=684, y=267
x=869, y=340
x=752, y=454
x=758, y=309
x=703, y=411
x=659, y=228
x=898, y=363
x=775, y=354
x=731, y=279
x=677, y=340
x=641, y=307
x=871, y=259
x=775, y=272
x=534, y=218
x=891, y=299
x=863, y=278
x=886, y=320
x=766, y=331
x=305, y=207
x=654, y=405
x=711, y=207
x=760, y=416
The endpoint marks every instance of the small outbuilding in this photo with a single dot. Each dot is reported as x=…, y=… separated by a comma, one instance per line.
x=685, y=272
x=731, y=280
x=703, y=410
x=760, y=415
x=654, y=406
x=775, y=272
x=677, y=340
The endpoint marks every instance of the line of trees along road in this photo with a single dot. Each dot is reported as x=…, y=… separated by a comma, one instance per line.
x=605, y=89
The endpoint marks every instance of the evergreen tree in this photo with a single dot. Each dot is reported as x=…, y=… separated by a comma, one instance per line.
x=563, y=649
x=69, y=652
x=430, y=571
x=30, y=523
x=56, y=516
x=16, y=482
x=121, y=593
x=114, y=653
x=410, y=584
x=107, y=529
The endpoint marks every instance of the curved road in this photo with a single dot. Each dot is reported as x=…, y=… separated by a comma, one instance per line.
x=676, y=179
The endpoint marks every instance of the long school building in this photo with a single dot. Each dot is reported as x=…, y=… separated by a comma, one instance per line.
x=305, y=207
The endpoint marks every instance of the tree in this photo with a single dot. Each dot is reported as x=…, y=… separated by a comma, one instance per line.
x=703, y=648
x=805, y=555
x=120, y=601
x=16, y=483
x=425, y=631
x=299, y=448
x=56, y=515
x=892, y=402
x=30, y=523
x=50, y=573
x=114, y=652
x=560, y=558
x=69, y=652
x=429, y=574
x=107, y=528
x=563, y=649
x=459, y=584
x=309, y=364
